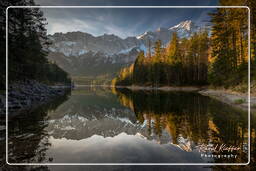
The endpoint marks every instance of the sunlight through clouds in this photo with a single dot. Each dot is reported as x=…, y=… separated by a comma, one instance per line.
x=65, y=26
x=121, y=22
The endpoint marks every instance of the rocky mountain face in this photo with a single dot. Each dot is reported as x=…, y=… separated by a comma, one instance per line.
x=84, y=54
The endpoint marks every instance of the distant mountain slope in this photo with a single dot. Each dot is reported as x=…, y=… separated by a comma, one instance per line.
x=84, y=54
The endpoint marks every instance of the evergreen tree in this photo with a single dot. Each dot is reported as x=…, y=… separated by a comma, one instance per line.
x=156, y=67
x=173, y=51
x=27, y=44
x=170, y=65
x=139, y=72
x=229, y=46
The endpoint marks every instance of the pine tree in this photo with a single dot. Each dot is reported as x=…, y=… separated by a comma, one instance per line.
x=229, y=45
x=173, y=51
x=139, y=72
x=156, y=63
x=27, y=41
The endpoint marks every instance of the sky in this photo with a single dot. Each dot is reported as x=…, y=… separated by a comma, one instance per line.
x=121, y=22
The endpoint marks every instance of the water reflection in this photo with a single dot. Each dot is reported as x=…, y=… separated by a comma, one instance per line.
x=97, y=125
x=27, y=137
x=190, y=119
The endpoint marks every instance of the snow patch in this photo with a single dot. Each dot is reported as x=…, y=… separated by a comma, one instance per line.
x=67, y=128
x=183, y=25
x=147, y=33
x=125, y=51
x=66, y=51
x=81, y=52
x=52, y=49
x=68, y=43
x=125, y=120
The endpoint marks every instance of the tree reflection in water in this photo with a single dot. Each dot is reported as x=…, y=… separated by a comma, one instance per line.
x=182, y=118
x=30, y=126
x=189, y=118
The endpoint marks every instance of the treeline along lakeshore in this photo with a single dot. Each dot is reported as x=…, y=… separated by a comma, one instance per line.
x=217, y=56
x=27, y=62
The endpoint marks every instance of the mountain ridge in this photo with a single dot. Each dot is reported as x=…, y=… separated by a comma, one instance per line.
x=79, y=53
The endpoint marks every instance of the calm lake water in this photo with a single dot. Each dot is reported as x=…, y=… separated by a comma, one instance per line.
x=99, y=125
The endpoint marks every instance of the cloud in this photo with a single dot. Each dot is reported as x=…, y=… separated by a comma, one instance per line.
x=63, y=25
x=95, y=28
x=121, y=22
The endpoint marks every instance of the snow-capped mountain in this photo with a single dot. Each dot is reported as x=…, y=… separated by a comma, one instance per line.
x=79, y=43
x=183, y=29
x=80, y=53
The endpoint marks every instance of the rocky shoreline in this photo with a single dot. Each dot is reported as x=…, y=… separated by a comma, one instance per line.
x=25, y=95
x=234, y=99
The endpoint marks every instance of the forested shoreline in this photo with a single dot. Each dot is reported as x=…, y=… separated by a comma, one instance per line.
x=182, y=62
x=27, y=46
x=30, y=74
x=217, y=57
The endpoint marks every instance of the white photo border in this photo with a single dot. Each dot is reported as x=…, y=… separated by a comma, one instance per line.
x=165, y=164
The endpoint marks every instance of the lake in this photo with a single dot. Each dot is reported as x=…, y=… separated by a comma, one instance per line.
x=102, y=125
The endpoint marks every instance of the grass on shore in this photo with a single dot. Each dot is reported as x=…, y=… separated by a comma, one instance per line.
x=239, y=101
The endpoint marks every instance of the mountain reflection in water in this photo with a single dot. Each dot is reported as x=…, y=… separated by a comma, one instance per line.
x=93, y=125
